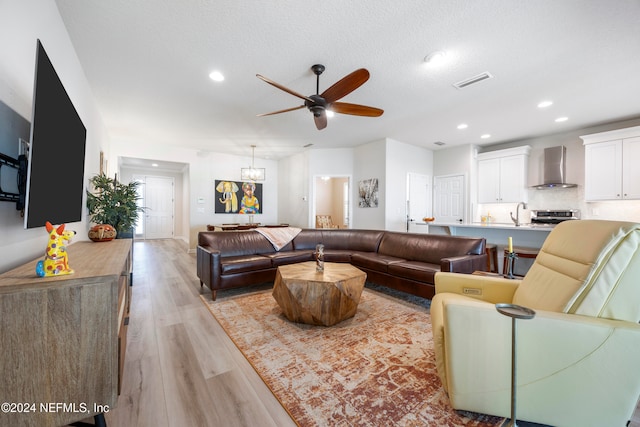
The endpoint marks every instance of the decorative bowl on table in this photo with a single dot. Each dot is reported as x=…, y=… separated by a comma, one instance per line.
x=428, y=219
x=102, y=233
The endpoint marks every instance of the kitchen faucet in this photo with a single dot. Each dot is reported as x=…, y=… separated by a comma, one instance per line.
x=516, y=220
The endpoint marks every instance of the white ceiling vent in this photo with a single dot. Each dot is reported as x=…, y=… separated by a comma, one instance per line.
x=473, y=80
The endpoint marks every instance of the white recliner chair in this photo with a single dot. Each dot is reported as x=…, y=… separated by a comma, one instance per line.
x=578, y=359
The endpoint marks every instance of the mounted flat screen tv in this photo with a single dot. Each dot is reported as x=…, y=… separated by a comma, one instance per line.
x=55, y=179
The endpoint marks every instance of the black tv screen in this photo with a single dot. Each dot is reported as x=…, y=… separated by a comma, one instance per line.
x=55, y=181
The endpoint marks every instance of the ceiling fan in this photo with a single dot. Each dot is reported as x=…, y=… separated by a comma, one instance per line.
x=319, y=103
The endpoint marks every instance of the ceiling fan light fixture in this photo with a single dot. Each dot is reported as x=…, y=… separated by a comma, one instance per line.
x=320, y=103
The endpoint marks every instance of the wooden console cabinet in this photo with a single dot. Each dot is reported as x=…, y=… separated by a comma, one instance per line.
x=63, y=339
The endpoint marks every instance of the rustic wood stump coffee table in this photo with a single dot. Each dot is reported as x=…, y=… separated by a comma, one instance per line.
x=318, y=298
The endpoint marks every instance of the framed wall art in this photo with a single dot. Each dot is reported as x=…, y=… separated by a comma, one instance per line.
x=368, y=193
x=238, y=197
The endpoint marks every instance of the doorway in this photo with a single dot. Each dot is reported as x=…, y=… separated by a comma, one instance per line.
x=157, y=196
x=332, y=197
x=418, y=201
x=449, y=198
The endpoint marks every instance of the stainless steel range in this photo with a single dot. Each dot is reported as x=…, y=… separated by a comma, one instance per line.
x=553, y=217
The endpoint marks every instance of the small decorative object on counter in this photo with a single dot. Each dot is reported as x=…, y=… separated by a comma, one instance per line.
x=56, y=261
x=102, y=233
x=320, y=258
x=511, y=257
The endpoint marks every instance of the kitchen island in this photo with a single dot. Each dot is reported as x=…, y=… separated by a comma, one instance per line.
x=525, y=235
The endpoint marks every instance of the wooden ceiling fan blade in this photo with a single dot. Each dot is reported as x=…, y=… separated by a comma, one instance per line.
x=355, y=109
x=321, y=120
x=286, y=89
x=280, y=111
x=346, y=85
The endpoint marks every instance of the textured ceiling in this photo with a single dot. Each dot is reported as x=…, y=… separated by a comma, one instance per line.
x=148, y=61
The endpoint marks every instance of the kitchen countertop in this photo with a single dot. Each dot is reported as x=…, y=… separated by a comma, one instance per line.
x=496, y=225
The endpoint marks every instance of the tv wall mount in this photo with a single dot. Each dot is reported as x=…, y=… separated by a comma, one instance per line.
x=21, y=165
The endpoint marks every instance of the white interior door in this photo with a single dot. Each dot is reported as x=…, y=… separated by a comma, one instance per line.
x=418, y=199
x=449, y=198
x=159, y=202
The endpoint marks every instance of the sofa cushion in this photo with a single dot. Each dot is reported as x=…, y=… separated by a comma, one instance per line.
x=243, y=263
x=342, y=239
x=374, y=261
x=337, y=255
x=414, y=270
x=429, y=248
x=307, y=239
x=289, y=257
x=235, y=243
x=352, y=240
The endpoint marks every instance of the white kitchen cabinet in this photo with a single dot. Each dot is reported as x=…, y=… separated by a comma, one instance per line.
x=631, y=168
x=502, y=175
x=611, y=165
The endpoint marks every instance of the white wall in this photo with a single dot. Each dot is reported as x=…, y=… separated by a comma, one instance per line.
x=401, y=159
x=461, y=159
x=22, y=22
x=387, y=160
x=569, y=198
x=293, y=201
x=327, y=162
x=204, y=169
x=370, y=162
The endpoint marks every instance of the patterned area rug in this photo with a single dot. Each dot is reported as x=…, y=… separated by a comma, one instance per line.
x=377, y=368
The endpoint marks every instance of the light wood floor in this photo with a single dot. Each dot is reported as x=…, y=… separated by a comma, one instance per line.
x=181, y=369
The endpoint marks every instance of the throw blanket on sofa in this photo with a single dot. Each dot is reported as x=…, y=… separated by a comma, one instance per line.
x=279, y=237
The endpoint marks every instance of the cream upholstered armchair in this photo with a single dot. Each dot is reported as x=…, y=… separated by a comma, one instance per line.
x=578, y=359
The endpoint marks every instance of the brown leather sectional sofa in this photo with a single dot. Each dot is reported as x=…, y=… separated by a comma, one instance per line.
x=403, y=261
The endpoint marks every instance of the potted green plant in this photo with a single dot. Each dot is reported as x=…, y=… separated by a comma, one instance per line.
x=114, y=203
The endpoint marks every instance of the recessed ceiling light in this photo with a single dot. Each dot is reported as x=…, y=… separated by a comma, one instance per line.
x=562, y=119
x=463, y=126
x=155, y=165
x=545, y=104
x=485, y=136
x=216, y=76
x=436, y=58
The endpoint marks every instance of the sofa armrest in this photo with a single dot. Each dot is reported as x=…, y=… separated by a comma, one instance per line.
x=464, y=263
x=485, y=288
x=208, y=265
x=586, y=366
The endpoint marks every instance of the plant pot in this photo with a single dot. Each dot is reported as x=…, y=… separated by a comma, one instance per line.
x=102, y=233
x=125, y=234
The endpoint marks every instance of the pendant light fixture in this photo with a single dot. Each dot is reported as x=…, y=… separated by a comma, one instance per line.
x=252, y=173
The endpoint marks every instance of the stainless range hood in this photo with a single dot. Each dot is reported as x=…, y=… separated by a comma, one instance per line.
x=554, y=169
